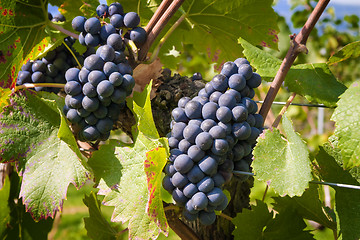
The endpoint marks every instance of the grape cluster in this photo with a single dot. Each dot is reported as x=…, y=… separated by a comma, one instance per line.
x=96, y=30
x=51, y=68
x=96, y=93
x=212, y=135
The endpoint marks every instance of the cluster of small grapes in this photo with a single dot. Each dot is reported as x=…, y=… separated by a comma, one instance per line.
x=96, y=93
x=211, y=135
x=51, y=68
x=93, y=33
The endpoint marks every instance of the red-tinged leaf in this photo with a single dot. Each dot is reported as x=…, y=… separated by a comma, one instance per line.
x=153, y=164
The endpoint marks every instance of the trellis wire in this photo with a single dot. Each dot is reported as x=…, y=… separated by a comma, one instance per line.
x=342, y=185
x=298, y=104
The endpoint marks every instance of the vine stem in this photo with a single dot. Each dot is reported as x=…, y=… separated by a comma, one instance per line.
x=297, y=46
x=225, y=216
x=63, y=30
x=159, y=26
x=283, y=110
x=33, y=85
x=157, y=15
x=164, y=38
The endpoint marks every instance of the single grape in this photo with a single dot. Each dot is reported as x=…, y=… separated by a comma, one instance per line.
x=217, y=132
x=120, y=57
x=241, y=130
x=23, y=77
x=254, y=81
x=105, y=88
x=220, y=147
x=183, y=101
x=117, y=20
x=106, y=31
x=237, y=82
x=102, y=10
x=82, y=112
x=101, y=112
x=115, y=41
x=167, y=184
x=138, y=36
x=184, y=145
x=174, y=153
x=253, y=135
x=183, y=163
x=214, y=97
x=89, y=90
x=195, y=121
x=220, y=82
x=259, y=121
x=193, y=109
x=131, y=20
x=95, y=77
x=190, y=132
x=227, y=100
x=128, y=82
x=78, y=23
x=190, y=216
x=38, y=77
x=27, y=66
x=38, y=66
x=199, y=201
x=246, y=71
x=90, y=104
x=208, y=165
x=218, y=180
x=116, y=79
x=104, y=125
x=202, y=93
x=241, y=61
x=115, y=8
x=93, y=62
x=109, y=68
x=239, y=113
x=207, y=124
x=51, y=70
x=90, y=133
x=205, y=185
x=215, y=196
x=72, y=88
x=196, y=76
x=106, y=53
x=209, y=110
x=173, y=142
x=195, y=174
x=177, y=130
x=125, y=68
x=250, y=105
x=91, y=119
x=222, y=205
x=169, y=169
x=179, y=197
x=229, y=68
x=76, y=101
x=195, y=153
x=92, y=25
x=179, y=180
x=118, y=96
x=204, y=141
x=238, y=151
x=224, y=114
x=58, y=18
x=179, y=115
x=190, y=189
x=73, y=116
x=92, y=40
x=251, y=120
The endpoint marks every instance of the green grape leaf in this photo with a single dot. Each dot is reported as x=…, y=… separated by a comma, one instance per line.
x=4, y=97
x=347, y=116
x=20, y=224
x=352, y=50
x=96, y=225
x=288, y=224
x=251, y=223
x=283, y=162
x=307, y=80
x=308, y=206
x=213, y=27
x=35, y=134
x=4, y=208
x=123, y=173
x=154, y=164
x=23, y=30
x=331, y=147
x=347, y=201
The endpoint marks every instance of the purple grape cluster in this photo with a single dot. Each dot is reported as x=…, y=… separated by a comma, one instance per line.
x=96, y=93
x=96, y=30
x=212, y=135
x=51, y=68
